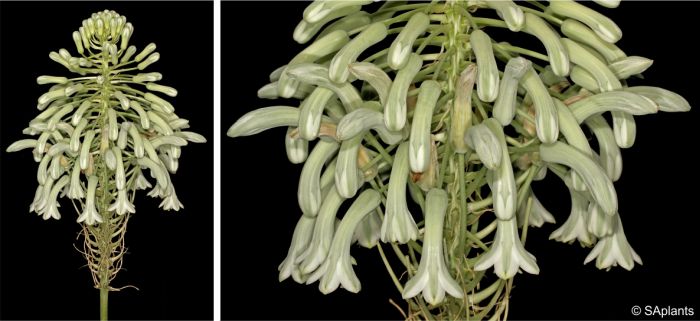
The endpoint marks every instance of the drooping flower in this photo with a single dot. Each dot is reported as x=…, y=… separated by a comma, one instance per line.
x=90, y=215
x=324, y=229
x=121, y=204
x=51, y=209
x=75, y=189
x=141, y=182
x=170, y=201
x=576, y=226
x=614, y=249
x=337, y=269
x=599, y=224
x=433, y=278
x=368, y=231
x=300, y=241
x=538, y=213
x=398, y=224
x=507, y=255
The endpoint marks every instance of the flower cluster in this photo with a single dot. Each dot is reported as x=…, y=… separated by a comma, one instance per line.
x=461, y=122
x=101, y=133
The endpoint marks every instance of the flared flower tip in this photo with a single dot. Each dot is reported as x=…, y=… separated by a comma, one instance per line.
x=507, y=255
x=613, y=250
x=433, y=278
x=122, y=205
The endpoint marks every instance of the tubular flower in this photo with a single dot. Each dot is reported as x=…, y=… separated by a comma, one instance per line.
x=433, y=278
x=94, y=132
x=424, y=105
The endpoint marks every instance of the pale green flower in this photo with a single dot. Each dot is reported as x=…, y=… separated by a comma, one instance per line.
x=337, y=269
x=600, y=24
x=614, y=249
x=309, y=191
x=433, y=278
x=395, y=109
x=419, y=141
x=507, y=255
x=141, y=182
x=170, y=201
x=338, y=70
x=121, y=204
x=323, y=232
x=300, y=240
x=538, y=213
x=398, y=224
x=401, y=48
x=51, y=208
x=90, y=216
x=368, y=231
x=576, y=226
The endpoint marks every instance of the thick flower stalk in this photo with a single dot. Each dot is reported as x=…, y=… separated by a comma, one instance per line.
x=425, y=105
x=100, y=135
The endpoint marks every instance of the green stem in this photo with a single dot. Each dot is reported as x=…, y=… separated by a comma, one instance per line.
x=389, y=269
x=104, y=303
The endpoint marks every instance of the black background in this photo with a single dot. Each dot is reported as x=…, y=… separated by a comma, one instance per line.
x=170, y=254
x=657, y=191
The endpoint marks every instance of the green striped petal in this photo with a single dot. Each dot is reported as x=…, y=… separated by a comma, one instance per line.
x=296, y=148
x=610, y=155
x=546, y=119
x=338, y=70
x=584, y=79
x=305, y=30
x=318, y=75
x=599, y=224
x=320, y=9
x=375, y=76
x=502, y=183
x=582, y=34
x=402, y=47
x=487, y=77
x=504, y=107
x=486, y=144
x=311, y=112
x=324, y=46
x=362, y=120
x=623, y=101
x=605, y=28
x=572, y=132
x=576, y=225
x=338, y=269
x=398, y=225
x=300, y=240
x=607, y=81
x=507, y=254
x=395, y=107
x=263, y=119
x=309, y=191
x=557, y=53
x=630, y=66
x=347, y=175
x=624, y=128
x=368, y=231
x=433, y=278
x=320, y=244
x=666, y=100
x=21, y=144
x=510, y=12
x=419, y=140
x=348, y=23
